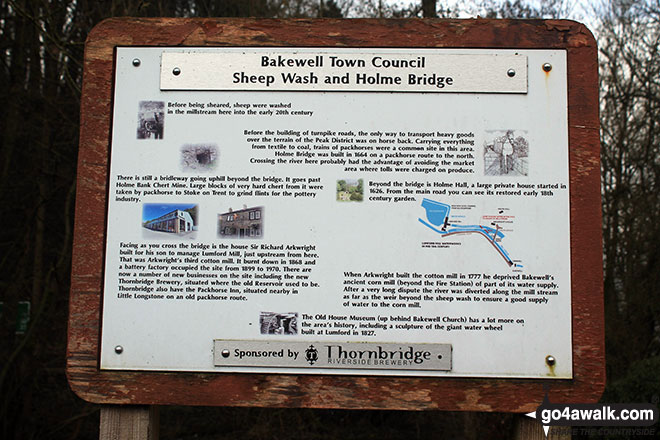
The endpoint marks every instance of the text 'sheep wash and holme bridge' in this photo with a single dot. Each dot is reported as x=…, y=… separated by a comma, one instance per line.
x=317, y=61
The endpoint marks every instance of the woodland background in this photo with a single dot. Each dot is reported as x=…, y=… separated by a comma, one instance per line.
x=41, y=53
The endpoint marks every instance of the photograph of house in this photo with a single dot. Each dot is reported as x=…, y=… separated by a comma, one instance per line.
x=242, y=223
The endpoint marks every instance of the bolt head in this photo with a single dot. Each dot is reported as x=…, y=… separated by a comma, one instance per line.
x=119, y=349
x=550, y=360
x=176, y=71
x=511, y=73
x=136, y=62
x=225, y=353
x=547, y=67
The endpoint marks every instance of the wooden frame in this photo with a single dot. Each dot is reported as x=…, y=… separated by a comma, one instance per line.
x=364, y=392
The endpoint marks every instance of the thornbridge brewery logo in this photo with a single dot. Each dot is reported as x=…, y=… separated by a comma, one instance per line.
x=340, y=355
x=377, y=356
x=312, y=355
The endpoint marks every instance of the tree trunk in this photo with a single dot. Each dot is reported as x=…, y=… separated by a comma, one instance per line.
x=428, y=9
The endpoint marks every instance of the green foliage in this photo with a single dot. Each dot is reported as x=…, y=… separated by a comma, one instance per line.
x=356, y=196
x=639, y=384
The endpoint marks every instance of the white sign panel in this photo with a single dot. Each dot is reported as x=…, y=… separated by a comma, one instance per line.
x=326, y=231
x=396, y=70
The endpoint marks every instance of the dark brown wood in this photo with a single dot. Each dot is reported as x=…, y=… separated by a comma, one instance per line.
x=278, y=390
x=128, y=423
x=529, y=429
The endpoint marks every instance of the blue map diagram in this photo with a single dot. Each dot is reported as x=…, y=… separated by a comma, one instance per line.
x=437, y=219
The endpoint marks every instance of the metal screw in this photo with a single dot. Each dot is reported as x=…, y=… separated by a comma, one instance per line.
x=119, y=349
x=136, y=62
x=176, y=71
x=550, y=360
x=547, y=67
x=511, y=73
x=225, y=353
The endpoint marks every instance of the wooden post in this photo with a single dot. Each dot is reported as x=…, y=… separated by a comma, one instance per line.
x=119, y=422
x=530, y=429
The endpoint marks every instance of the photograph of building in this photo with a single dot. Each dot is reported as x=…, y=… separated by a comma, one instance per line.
x=173, y=218
x=242, y=223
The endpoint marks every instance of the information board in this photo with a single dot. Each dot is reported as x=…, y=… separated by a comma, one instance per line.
x=324, y=206
x=403, y=215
